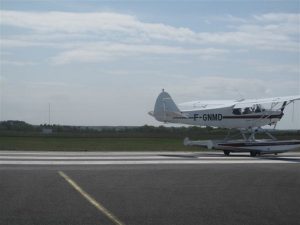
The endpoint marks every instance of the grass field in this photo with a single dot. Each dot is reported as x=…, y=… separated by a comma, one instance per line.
x=93, y=144
x=108, y=142
x=39, y=143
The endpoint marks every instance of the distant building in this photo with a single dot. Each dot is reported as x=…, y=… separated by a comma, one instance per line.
x=47, y=130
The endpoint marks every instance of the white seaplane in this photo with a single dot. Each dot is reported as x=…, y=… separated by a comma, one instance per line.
x=248, y=116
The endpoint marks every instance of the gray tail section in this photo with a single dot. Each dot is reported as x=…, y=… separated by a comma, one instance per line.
x=165, y=108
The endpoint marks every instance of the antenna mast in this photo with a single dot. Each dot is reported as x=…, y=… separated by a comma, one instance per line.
x=49, y=113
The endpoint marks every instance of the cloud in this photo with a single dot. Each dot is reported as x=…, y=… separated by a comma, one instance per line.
x=17, y=63
x=96, y=52
x=100, y=23
x=279, y=17
x=272, y=31
x=278, y=68
x=215, y=87
x=219, y=87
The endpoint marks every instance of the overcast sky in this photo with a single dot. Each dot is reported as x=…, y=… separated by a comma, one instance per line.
x=105, y=62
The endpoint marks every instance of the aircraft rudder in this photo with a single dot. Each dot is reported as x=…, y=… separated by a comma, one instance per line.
x=164, y=105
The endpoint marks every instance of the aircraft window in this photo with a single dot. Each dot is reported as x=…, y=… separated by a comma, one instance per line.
x=237, y=111
x=258, y=109
x=247, y=111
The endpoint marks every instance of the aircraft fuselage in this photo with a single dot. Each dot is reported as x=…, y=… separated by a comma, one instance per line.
x=224, y=118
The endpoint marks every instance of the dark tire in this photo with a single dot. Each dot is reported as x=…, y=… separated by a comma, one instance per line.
x=226, y=152
x=253, y=153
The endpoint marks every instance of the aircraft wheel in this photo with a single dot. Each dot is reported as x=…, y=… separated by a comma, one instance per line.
x=253, y=153
x=226, y=152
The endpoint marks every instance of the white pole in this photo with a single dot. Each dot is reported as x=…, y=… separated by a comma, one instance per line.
x=49, y=114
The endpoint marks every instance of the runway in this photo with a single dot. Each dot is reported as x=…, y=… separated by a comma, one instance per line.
x=178, y=188
x=137, y=158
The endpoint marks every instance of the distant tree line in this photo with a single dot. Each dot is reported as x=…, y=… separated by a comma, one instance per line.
x=21, y=128
x=15, y=125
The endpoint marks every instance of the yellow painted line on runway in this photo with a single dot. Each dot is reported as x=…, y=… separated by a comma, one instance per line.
x=91, y=200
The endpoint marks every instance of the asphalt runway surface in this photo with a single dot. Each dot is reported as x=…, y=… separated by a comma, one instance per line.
x=153, y=188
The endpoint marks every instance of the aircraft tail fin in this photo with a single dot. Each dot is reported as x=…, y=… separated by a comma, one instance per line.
x=165, y=108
